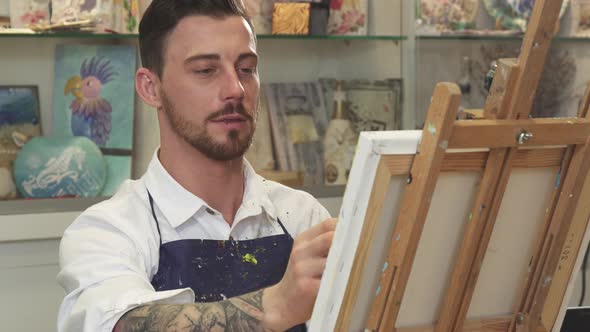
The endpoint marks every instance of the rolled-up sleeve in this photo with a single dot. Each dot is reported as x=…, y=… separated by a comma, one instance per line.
x=105, y=273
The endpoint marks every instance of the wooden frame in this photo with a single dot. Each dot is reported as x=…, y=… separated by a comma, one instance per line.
x=366, y=282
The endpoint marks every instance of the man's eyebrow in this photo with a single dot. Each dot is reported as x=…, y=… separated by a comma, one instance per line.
x=197, y=57
x=244, y=56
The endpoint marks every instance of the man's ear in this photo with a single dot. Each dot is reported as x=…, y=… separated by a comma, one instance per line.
x=147, y=85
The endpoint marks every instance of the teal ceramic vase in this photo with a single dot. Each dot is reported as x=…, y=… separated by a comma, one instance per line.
x=48, y=167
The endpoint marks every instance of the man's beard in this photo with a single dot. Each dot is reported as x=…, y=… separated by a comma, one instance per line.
x=200, y=139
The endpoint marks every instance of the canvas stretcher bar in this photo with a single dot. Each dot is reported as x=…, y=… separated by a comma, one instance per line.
x=422, y=180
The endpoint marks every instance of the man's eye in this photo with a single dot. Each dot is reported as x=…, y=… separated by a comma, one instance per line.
x=248, y=70
x=206, y=71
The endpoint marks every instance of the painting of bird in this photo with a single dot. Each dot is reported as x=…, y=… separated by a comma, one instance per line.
x=90, y=112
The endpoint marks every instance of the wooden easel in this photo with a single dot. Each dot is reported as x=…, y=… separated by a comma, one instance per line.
x=504, y=129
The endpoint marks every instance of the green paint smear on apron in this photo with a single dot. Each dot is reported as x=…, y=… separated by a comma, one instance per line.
x=249, y=258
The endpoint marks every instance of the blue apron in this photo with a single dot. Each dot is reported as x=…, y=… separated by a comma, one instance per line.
x=219, y=269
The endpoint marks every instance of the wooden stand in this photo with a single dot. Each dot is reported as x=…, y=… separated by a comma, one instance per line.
x=505, y=130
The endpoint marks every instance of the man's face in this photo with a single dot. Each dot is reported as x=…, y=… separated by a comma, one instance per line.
x=210, y=84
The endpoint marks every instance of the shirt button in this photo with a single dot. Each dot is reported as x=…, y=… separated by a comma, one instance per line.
x=211, y=212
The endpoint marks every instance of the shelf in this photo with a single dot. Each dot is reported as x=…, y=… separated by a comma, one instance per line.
x=134, y=36
x=74, y=35
x=34, y=206
x=332, y=37
x=499, y=38
x=69, y=35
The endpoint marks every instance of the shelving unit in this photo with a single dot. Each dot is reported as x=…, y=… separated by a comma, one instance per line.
x=29, y=59
x=392, y=50
x=83, y=35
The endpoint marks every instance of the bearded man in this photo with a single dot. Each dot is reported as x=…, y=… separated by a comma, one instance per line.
x=200, y=242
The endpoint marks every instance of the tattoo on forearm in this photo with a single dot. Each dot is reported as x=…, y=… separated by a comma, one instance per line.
x=242, y=313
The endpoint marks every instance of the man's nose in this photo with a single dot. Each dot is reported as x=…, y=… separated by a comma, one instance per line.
x=232, y=87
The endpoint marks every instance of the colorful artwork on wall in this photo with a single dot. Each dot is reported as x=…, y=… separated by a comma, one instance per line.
x=372, y=105
x=348, y=17
x=25, y=12
x=581, y=15
x=94, y=97
x=447, y=15
x=19, y=111
x=298, y=121
x=260, y=12
x=513, y=14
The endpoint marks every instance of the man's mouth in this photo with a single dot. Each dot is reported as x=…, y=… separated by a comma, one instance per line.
x=229, y=118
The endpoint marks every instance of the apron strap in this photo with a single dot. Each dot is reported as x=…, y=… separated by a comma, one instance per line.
x=155, y=218
x=283, y=227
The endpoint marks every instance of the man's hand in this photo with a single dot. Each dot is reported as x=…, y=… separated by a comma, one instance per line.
x=290, y=302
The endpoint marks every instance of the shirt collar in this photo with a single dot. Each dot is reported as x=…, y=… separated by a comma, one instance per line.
x=256, y=195
x=178, y=204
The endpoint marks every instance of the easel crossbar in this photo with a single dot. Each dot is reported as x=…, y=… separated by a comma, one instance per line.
x=471, y=134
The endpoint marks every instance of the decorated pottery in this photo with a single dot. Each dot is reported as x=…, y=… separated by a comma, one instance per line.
x=59, y=167
x=513, y=14
x=448, y=14
x=524, y=8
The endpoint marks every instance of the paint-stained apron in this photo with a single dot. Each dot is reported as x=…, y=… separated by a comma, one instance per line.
x=219, y=269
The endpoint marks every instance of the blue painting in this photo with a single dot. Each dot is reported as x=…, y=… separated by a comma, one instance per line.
x=94, y=97
x=19, y=110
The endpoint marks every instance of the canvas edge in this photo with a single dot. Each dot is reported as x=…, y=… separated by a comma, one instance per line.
x=573, y=278
x=371, y=146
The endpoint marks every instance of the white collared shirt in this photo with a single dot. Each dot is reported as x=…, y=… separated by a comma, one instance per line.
x=110, y=253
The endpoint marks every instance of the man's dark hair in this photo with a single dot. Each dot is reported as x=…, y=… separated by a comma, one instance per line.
x=162, y=16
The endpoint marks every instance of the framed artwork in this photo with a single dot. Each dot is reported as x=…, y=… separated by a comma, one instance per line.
x=94, y=96
x=19, y=111
x=68, y=10
x=298, y=120
x=372, y=104
x=513, y=14
x=348, y=17
x=447, y=15
x=126, y=16
x=260, y=12
x=25, y=12
x=581, y=14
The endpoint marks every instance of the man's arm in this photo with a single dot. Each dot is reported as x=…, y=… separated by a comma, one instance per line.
x=242, y=313
x=276, y=308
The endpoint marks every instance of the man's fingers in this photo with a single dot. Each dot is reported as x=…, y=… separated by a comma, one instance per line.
x=327, y=225
x=312, y=249
x=320, y=246
x=311, y=268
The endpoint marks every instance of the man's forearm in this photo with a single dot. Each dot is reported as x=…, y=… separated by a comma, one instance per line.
x=242, y=313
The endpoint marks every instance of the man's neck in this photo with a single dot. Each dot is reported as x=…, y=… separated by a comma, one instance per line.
x=219, y=183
